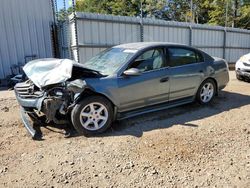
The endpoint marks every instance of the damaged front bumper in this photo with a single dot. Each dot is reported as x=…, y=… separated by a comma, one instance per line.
x=53, y=88
x=26, y=110
x=243, y=73
x=37, y=104
x=27, y=124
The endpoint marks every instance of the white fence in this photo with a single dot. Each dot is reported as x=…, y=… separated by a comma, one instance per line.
x=92, y=33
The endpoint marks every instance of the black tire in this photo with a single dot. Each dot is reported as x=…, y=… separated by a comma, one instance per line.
x=198, y=95
x=75, y=114
x=239, y=77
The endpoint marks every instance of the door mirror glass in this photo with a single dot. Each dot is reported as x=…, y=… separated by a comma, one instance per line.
x=132, y=72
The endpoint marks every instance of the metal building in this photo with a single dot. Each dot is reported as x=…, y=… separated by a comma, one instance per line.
x=25, y=32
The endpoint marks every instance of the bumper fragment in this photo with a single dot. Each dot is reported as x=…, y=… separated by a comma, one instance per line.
x=27, y=124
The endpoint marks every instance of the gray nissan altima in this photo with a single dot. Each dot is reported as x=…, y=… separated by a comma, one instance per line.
x=118, y=83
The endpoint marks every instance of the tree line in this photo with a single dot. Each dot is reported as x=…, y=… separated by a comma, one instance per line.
x=230, y=13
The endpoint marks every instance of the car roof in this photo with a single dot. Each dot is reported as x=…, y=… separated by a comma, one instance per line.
x=142, y=45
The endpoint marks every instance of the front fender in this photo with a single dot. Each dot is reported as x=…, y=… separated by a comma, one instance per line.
x=88, y=90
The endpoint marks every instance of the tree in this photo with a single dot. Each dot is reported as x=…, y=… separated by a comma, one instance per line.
x=155, y=9
x=201, y=11
x=217, y=16
x=95, y=6
x=179, y=10
x=212, y=12
x=238, y=13
x=244, y=17
x=151, y=8
x=176, y=10
x=63, y=14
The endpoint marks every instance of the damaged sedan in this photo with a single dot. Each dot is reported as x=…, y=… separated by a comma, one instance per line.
x=118, y=83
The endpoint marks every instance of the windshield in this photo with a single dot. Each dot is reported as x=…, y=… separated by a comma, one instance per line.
x=110, y=60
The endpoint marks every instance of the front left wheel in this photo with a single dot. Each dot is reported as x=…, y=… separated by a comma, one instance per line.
x=92, y=115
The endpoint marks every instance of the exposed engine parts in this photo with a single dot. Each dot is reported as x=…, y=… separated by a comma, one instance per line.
x=50, y=108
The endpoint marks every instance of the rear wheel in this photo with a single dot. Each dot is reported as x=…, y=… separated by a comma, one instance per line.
x=92, y=115
x=206, y=91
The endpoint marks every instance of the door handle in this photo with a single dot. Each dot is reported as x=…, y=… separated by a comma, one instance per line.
x=164, y=79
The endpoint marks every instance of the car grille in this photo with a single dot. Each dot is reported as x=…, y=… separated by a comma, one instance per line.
x=244, y=70
x=27, y=90
x=246, y=64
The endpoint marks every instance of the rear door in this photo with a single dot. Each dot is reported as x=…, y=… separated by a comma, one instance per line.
x=186, y=67
x=148, y=88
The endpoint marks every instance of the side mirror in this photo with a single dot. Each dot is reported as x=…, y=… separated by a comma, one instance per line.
x=132, y=72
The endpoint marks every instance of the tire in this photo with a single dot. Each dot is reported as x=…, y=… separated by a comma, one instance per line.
x=92, y=115
x=239, y=77
x=203, y=96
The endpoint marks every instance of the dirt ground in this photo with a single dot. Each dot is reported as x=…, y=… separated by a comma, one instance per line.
x=188, y=146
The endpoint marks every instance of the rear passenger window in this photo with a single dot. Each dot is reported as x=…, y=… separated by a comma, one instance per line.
x=182, y=56
x=199, y=57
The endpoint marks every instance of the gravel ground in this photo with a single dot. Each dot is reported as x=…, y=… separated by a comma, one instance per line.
x=187, y=146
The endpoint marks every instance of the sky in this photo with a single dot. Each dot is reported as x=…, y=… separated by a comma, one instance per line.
x=60, y=4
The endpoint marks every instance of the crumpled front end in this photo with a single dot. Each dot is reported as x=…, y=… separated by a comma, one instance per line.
x=51, y=91
x=50, y=105
x=43, y=106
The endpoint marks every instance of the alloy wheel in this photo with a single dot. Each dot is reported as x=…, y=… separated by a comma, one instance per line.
x=94, y=116
x=207, y=92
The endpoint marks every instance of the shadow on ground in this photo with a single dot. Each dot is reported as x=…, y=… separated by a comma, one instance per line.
x=181, y=115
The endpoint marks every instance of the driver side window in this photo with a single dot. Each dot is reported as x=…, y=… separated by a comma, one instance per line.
x=150, y=60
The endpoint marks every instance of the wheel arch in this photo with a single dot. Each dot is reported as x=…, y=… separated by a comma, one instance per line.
x=90, y=92
x=214, y=80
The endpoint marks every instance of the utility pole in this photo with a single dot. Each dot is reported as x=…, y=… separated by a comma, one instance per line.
x=191, y=10
x=141, y=9
x=236, y=6
x=141, y=22
x=226, y=13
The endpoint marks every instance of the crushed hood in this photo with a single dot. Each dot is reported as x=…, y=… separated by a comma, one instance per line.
x=43, y=72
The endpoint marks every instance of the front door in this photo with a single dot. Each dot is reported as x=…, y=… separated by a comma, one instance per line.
x=148, y=88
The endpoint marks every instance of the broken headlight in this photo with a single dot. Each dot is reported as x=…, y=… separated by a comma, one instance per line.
x=56, y=92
